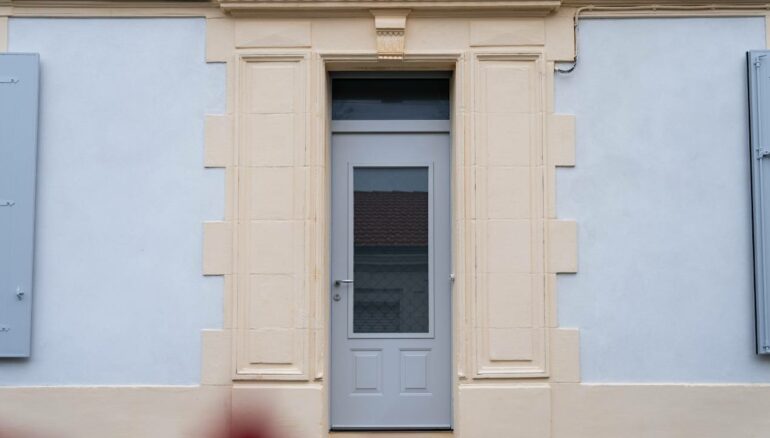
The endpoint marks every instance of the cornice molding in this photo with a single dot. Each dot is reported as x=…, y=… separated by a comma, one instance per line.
x=113, y=8
x=340, y=8
x=724, y=4
x=467, y=7
x=108, y=3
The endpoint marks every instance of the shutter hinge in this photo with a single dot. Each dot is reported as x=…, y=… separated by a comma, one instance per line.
x=4, y=203
x=9, y=81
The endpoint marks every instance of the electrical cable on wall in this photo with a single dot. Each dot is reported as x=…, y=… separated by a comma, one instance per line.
x=652, y=8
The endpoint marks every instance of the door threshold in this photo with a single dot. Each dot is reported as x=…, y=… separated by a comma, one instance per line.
x=391, y=434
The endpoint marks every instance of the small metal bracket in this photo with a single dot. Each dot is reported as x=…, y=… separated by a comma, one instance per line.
x=6, y=203
x=9, y=81
x=19, y=293
x=452, y=277
x=4, y=328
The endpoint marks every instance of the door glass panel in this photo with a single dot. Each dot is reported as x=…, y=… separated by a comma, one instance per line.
x=390, y=99
x=390, y=261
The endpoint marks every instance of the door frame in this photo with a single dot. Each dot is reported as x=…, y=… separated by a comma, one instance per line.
x=356, y=63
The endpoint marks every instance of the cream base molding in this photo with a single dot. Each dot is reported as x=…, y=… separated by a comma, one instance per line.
x=490, y=411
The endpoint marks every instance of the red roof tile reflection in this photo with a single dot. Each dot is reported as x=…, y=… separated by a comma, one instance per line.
x=391, y=218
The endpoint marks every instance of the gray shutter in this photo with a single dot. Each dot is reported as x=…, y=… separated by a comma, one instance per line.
x=759, y=110
x=19, y=76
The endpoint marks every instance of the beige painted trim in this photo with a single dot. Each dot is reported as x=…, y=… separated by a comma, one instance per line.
x=674, y=12
x=483, y=406
x=494, y=353
x=522, y=50
x=558, y=410
x=215, y=357
x=218, y=140
x=565, y=355
x=217, y=248
x=562, y=247
x=660, y=411
x=672, y=3
x=271, y=139
x=220, y=36
x=114, y=411
x=515, y=346
x=468, y=6
x=85, y=8
x=561, y=140
x=767, y=30
x=3, y=34
x=341, y=8
x=559, y=38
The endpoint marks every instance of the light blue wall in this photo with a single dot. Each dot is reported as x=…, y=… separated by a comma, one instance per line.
x=661, y=194
x=122, y=193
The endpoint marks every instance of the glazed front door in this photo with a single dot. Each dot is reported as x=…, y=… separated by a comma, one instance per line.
x=391, y=288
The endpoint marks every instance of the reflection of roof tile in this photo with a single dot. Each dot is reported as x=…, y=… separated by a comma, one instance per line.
x=391, y=218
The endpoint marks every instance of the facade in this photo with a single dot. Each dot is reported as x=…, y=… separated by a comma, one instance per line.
x=556, y=240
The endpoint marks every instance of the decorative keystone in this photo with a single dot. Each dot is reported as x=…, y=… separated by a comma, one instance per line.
x=391, y=32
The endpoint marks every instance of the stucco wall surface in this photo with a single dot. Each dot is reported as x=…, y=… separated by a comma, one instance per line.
x=661, y=196
x=122, y=192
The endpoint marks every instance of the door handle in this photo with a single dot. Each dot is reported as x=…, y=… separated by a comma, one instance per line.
x=338, y=283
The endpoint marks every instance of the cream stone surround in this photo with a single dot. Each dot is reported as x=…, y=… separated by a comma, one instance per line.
x=507, y=244
x=517, y=372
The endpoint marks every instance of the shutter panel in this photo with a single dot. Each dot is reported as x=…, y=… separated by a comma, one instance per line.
x=19, y=76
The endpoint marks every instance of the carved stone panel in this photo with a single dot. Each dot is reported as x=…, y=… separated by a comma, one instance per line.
x=272, y=318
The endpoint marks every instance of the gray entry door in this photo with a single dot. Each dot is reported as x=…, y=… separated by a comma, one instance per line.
x=391, y=288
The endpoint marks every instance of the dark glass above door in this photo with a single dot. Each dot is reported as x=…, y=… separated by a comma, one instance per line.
x=397, y=98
